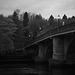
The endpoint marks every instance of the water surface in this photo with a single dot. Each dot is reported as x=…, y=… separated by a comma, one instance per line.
x=32, y=69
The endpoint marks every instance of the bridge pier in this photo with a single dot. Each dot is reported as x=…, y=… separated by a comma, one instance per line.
x=58, y=48
x=42, y=51
x=58, y=51
x=42, y=48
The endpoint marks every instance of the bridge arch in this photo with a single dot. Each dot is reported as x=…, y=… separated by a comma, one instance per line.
x=70, y=55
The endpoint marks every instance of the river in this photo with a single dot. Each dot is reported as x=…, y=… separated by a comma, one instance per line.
x=32, y=69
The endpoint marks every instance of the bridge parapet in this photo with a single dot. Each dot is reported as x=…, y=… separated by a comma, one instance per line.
x=54, y=31
x=63, y=29
x=58, y=27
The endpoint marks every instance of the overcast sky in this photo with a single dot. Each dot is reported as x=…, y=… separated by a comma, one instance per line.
x=43, y=7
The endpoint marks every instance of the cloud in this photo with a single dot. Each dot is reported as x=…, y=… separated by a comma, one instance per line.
x=60, y=7
x=44, y=7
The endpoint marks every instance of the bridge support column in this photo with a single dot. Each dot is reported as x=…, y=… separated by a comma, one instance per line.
x=41, y=53
x=58, y=48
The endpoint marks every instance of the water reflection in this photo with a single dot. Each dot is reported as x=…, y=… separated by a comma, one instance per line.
x=42, y=69
x=46, y=70
x=63, y=71
x=37, y=70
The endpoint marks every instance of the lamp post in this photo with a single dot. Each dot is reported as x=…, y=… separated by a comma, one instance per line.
x=58, y=22
x=39, y=28
x=58, y=19
x=63, y=23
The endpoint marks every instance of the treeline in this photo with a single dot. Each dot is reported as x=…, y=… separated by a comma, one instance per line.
x=17, y=30
x=56, y=22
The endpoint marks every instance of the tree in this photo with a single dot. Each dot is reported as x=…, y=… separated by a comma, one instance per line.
x=17, y=11
x=25, y=19
x=38, y=16
x=51, y=20
x=7, y=30
x=1, y=16
x=21, y=17
x=7, y=27
x=6, y=44
x=36, y=24
x=73, y=17
x=15, y=16
x=51, y=17
x=64, y=17
x=19, y=34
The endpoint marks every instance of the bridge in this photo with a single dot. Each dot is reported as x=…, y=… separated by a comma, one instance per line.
x=56, y=41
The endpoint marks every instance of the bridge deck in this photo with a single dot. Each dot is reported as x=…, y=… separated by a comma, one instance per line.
x=56, y=31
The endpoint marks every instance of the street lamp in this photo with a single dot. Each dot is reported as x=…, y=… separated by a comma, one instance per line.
x=29, y=35
x=58, y=22
x=40, y=28
x=58, y=19
x=63, y=23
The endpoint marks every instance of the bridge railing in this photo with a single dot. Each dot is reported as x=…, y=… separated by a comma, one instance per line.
x=57, y=28
x=63, y=29
x=55, y=25
x=54, y=30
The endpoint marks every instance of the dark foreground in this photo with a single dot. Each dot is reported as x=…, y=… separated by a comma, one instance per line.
x=22, y=68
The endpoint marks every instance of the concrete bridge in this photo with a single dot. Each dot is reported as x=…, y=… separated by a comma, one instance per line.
x=57, y=42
